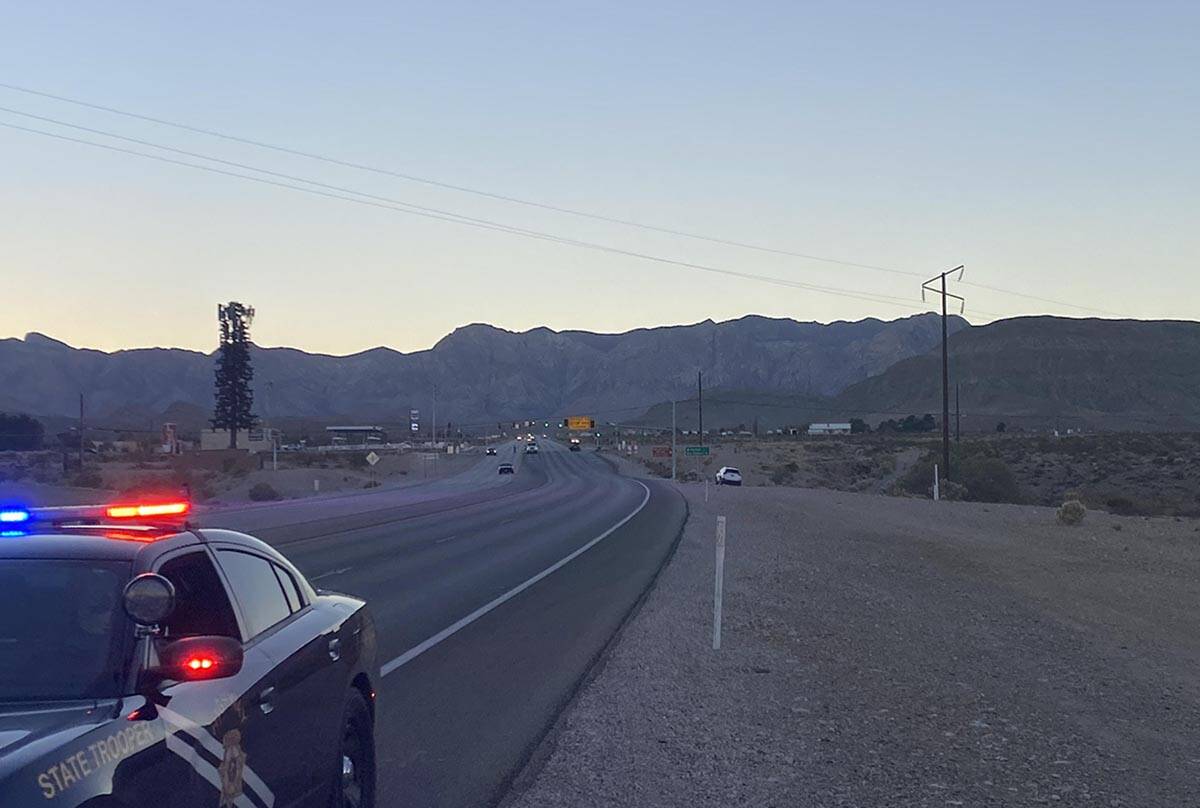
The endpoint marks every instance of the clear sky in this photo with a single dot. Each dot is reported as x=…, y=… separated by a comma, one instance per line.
x=1052, y=147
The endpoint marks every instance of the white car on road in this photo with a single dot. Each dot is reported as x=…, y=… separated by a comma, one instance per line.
x=728, y=475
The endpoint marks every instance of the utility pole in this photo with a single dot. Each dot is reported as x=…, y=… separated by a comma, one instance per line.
x=945, y=360
x=700, y=404
x=81, y=431
x=672, y=441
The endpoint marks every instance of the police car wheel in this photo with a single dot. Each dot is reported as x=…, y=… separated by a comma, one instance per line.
x=354, y=786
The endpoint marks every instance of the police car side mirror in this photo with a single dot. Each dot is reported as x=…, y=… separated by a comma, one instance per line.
x=149, y=599
x=189, y=659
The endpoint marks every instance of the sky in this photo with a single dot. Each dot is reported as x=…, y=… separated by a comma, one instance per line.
x=1048, y=147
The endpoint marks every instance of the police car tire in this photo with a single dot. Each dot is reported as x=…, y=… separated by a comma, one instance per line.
x=356, y=722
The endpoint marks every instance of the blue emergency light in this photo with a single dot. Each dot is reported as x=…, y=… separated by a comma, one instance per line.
x=14, y=516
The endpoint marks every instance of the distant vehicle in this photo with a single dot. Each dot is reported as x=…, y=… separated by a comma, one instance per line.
x=491, y=450
x=531, y=449
x=506, y=468
x=150, y=662
x=728, y=475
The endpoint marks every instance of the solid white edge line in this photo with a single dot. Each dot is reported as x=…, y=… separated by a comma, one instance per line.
x=417, y=650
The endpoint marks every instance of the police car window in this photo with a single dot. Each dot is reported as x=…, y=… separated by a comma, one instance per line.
x=202, y=606
x=62, y=629
x=295, y=602
x=256, y=588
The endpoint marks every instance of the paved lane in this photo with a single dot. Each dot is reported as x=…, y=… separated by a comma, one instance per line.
x=458, y=719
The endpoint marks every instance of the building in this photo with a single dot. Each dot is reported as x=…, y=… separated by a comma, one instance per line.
x=251, y=440
x=829, y=429
x=356, y=435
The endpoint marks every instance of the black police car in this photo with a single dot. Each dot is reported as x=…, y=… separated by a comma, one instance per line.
x=152, y=664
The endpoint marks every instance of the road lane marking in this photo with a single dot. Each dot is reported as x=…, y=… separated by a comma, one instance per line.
x=448, y=538
x=454, y=628
x=329, y=574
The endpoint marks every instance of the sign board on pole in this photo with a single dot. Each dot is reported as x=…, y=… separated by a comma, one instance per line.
x=695, y=450
x=661, y=451
x=372, y=458
x=414, y=421
x=580, y=422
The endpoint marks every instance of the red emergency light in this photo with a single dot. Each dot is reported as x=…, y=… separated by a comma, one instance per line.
x=148, y=510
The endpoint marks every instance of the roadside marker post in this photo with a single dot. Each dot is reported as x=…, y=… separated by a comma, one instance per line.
x=719, y=589
x=936, y=492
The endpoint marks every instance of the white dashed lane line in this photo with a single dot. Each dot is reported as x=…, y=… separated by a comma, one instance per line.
x=329, y=574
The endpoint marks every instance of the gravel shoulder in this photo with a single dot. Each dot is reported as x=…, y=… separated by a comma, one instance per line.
x=896, y=652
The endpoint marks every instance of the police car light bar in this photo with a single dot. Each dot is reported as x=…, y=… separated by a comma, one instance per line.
x=154, y=512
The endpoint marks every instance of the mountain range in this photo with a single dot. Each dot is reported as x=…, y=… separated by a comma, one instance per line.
x=1031, y=370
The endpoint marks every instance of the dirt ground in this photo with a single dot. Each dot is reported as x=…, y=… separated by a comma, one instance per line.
x=882, y=651
x=1123, y=473
x=214, y=478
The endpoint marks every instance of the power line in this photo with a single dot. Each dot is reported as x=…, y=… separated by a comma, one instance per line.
x=449, y=216
x=518, y=200
x=452, y=186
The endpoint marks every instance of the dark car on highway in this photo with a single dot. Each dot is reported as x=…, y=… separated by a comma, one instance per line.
x=491, y=450
x=144, y=662
x=506, y=468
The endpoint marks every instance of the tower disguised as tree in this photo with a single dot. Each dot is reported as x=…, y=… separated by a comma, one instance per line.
x=235, y=399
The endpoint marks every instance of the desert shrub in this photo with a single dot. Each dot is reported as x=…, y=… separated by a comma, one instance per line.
x=792, y=467
x=950, y=490
x=263, y=492
x=372, y=484
x=88, y=478
x=988, y=479
x=1121, y=505
x=1071, y=512
x=978, y=468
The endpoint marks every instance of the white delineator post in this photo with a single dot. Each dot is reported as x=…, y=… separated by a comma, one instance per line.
x=719, y=587
x=936, y=492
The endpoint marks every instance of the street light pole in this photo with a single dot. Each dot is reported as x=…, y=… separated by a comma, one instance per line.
x=672, y=441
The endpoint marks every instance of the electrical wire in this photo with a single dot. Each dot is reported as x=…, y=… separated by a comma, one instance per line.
x=349, y=195
x=519, y=200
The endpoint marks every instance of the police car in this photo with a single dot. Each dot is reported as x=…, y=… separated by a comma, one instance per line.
x=144, y=662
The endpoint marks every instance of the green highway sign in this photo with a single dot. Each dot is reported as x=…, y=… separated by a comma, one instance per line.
x=695, y=450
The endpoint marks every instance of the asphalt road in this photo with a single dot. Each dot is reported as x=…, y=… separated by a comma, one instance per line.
x=463, y=704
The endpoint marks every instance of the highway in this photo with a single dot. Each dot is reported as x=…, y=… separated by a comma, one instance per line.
x=492, y=595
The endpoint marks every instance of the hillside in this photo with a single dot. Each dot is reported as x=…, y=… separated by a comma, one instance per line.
x=1040, y=372
x=482, y=373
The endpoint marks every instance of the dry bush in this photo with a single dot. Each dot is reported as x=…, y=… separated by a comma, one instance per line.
x=263, y=492
x=1071, y=512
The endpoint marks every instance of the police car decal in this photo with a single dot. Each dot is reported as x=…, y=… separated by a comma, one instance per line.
x=225, y=765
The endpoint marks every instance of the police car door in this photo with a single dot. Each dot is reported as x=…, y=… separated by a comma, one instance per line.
x=299, y=704
x=207, y=723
